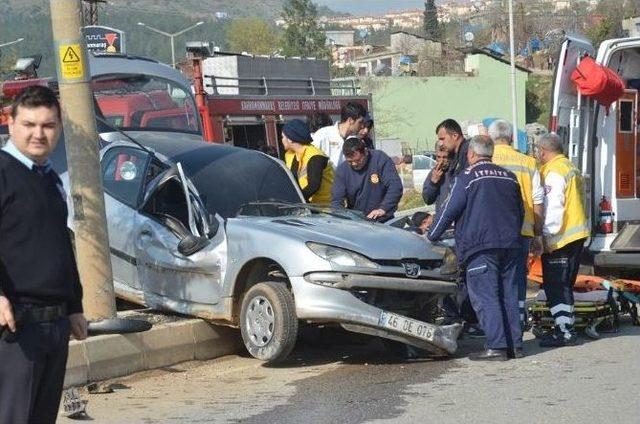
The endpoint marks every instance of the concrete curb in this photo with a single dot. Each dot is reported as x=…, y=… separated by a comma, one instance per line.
x=109, y=356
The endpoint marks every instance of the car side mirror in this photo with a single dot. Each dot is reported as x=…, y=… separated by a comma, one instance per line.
x=192, y=244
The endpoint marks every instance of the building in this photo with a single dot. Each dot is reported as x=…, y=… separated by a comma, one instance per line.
x=410, y=108
x=631, y=27
x=340, y=38
x=400, y=58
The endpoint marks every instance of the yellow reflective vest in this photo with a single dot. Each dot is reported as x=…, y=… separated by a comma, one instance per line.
x=323, y=195
x=575, y=225
x=524, y=167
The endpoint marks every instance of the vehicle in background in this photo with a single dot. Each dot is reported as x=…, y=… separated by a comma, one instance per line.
x=421, y=165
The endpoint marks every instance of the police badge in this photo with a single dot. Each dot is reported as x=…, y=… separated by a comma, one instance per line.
x=375, y=179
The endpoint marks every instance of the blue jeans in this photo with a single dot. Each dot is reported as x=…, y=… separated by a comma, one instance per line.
x=494, y=295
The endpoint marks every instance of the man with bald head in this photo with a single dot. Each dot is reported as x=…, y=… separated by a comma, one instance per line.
x=486, y=206
x=564, y=232
x=526, y=171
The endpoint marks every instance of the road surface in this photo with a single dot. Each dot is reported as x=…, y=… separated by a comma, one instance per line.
x=596, y=382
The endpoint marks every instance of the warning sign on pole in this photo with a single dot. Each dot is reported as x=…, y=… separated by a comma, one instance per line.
x=71, y=62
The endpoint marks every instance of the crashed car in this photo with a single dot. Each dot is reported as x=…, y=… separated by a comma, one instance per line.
x=223, y=233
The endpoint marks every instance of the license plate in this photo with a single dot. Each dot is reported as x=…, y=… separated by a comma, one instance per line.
x=406, y=325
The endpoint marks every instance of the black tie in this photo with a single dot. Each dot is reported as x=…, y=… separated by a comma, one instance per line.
x=41, y=170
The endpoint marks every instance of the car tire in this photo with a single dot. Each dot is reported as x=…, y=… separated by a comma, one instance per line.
x=268, y=321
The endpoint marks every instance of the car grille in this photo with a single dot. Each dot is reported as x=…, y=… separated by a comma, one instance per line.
x=424, y=263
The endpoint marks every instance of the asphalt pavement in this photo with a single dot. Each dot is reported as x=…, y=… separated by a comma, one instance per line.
x=339, y=381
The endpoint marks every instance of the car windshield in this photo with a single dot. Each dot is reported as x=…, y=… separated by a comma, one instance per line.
x=281, y=209
x=140, y=102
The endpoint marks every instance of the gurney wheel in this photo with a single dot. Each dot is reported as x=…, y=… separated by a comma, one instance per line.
x=537, y=331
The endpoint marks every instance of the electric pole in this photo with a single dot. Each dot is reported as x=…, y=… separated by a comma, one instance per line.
x=81, y=139
x=90, y=11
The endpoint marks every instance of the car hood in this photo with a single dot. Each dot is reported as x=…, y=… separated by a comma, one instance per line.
x=374, y=240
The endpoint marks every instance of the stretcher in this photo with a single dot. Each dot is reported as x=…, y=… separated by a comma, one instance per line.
x=598, y=303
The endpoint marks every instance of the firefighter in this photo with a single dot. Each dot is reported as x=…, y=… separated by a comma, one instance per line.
x=367, y=181
x=525, y=169
x=486, y=206
x=564, y=232
x=309, y=165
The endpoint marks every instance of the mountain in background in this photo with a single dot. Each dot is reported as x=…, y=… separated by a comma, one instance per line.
x=31, y=19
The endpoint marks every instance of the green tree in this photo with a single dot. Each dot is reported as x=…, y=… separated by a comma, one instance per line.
x=431, y=26
x=303, y=36
x=604, y=30
x=252, y=35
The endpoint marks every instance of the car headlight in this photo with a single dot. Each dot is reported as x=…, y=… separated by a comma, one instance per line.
x=340, y=257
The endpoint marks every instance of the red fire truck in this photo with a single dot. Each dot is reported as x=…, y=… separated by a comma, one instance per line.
x=135, y=93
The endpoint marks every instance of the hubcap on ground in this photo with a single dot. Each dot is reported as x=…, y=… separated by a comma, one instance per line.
x=260, y=320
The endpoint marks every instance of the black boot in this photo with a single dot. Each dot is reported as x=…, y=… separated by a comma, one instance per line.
x=559, y=338
x=489, y=355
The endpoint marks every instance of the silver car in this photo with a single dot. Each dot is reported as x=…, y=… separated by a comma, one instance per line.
x=223, y=233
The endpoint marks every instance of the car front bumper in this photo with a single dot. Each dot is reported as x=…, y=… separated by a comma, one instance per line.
x=323, y=303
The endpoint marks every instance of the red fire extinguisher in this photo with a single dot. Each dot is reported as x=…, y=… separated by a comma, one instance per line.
x=605, y=216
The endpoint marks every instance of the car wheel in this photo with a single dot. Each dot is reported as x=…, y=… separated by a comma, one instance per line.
x=268, y=321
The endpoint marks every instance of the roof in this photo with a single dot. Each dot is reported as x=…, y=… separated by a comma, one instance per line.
x=475, y=50
x=113, y=64
x=411, y=34
x=226, y=177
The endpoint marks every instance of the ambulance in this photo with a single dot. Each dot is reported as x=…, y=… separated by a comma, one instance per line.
x=603, y=142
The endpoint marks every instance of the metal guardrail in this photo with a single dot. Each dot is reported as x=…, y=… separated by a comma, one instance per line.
x=265, y=86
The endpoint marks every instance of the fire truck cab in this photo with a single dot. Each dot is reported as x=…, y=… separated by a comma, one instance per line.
x=605, y=144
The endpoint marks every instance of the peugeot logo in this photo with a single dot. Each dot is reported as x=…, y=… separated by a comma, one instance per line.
x=412, y=270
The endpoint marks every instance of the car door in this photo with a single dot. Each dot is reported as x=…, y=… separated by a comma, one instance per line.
x=171, y=213
x=123, y=169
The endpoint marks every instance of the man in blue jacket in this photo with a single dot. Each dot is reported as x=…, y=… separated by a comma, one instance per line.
x=366, y=181
x=486, y=206
x=451, y=151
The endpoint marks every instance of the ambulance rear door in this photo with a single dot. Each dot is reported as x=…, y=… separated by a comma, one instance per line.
x=571, y=112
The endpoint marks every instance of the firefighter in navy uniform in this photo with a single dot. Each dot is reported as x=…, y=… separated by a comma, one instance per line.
x=487, y=209
x=366, y=181
x=565, y=231
x=40, y=292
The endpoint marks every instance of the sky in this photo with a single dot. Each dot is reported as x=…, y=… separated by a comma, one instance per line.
x=371, y=7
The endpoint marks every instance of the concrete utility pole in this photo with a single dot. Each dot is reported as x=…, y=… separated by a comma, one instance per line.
x=81, y=137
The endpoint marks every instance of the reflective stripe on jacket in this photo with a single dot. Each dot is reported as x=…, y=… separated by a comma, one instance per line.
x=524, y=167
x=323, y=195
x=574, y=224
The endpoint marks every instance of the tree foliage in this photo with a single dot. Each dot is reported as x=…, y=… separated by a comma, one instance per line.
x=432, y=29
x=252, y=35
x=604, y=30
x=303, y=36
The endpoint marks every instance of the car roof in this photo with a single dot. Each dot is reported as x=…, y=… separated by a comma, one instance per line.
x=226, y=177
